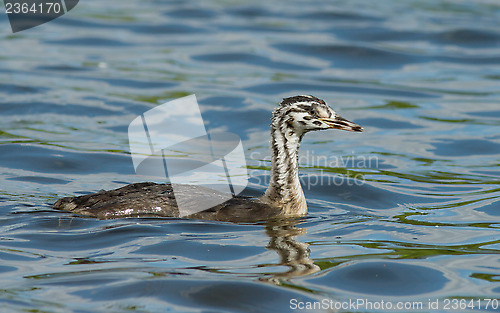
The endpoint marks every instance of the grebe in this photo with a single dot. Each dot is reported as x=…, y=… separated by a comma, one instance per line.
x=294, y=117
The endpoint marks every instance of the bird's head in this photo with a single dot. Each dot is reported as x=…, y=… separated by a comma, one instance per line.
x=308, y=113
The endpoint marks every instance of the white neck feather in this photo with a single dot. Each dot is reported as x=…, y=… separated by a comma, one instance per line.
x=284, y=188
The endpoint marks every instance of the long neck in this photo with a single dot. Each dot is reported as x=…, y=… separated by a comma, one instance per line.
x=284, y=188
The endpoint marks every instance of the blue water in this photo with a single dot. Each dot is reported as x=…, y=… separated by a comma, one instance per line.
x=408, y=210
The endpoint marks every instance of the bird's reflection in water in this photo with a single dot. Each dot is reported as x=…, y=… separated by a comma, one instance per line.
x=293, y=253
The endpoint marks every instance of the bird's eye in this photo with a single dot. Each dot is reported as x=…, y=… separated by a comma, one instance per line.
x=313, y=111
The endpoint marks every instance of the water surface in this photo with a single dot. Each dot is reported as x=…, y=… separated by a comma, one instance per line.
x=406, y=211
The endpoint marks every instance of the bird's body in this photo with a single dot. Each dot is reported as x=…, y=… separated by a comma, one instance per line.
x=284, y=197
x=151, y=199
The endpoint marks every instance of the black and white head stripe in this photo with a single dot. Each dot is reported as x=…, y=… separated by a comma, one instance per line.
x=310, y=105
x=301, y=98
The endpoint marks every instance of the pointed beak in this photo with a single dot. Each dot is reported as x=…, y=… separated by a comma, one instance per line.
x=339, y=122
